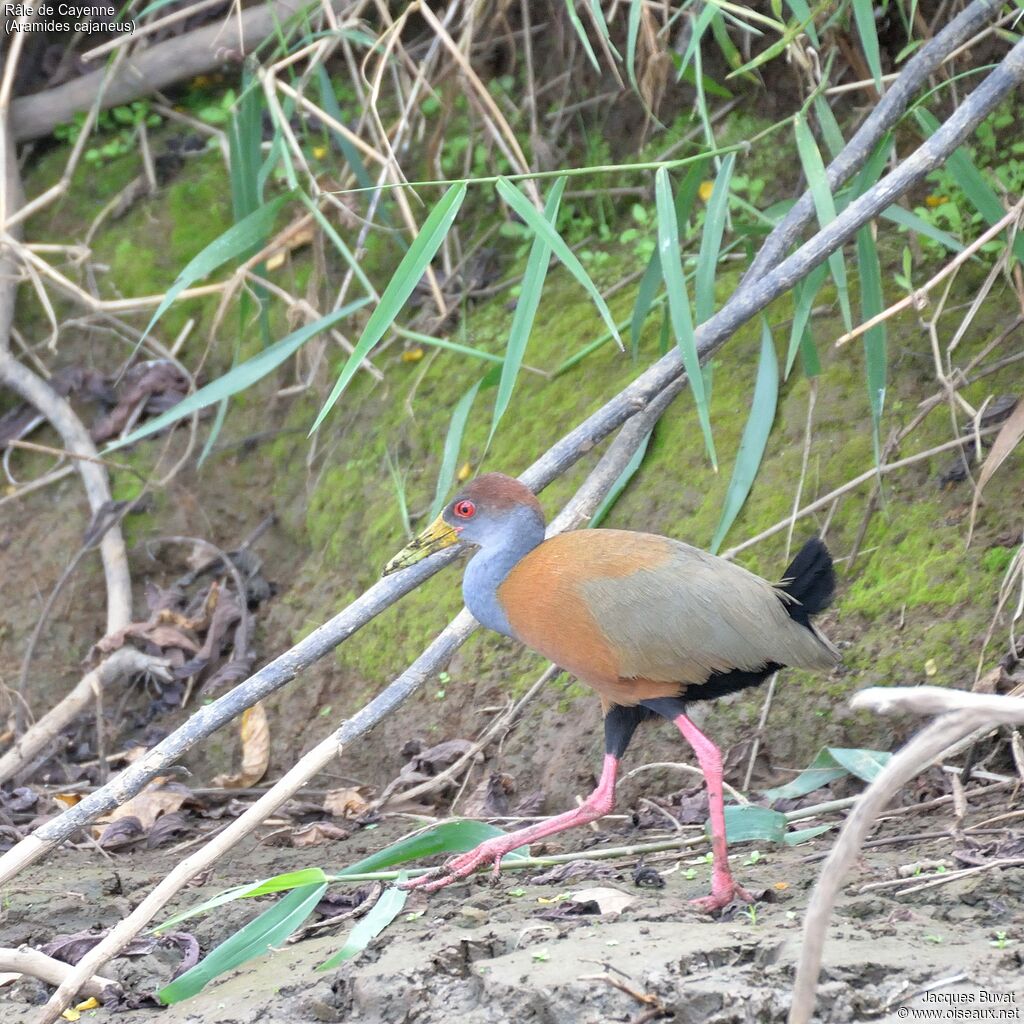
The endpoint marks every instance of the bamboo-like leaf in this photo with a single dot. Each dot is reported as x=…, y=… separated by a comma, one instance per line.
x=232, y=244
x=912, y=222
x=864, y=16
x=240, y=377
x=450, y=346
x=824, y=205
x=830, y=130
x=621, y=483
x=829, y=764
x=806, y=19
x=636, y=9
x=410, y=271
x=452, y=444
x=348, y=151
x=536, y=222
x=276, y=883
x=750, y=823
x=871, y=304
x=574, y=18
x=804, y=294
x=678, y=302
x=971, y=181
x=700, y=25
x=526, y=308
x=711, y=241
x=448, y=837
x=755, y=436
x=602, y=27
x=651, y=281
x=380, y=915
x=263, y=933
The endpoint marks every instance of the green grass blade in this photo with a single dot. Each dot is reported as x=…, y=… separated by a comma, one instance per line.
x=570, y=7
x=602, y=27
x=536, y=222
x=804, y=16
x=448, y=837
x=410, y=271
x=348, y=151
x=830, y=130
x=864, y=16
x=711, y=241
x=700, y=26
x=383, y=912
x=804, y=295
x=276, y=883
x=449, y=346
x=621, y=483
x=912, y=222
x=755, y=437
x=829, y=764
x=245, y=150
x=825, y=207
x=651, y=281
x=452, y=444
x=636, y=9
x=526, y=308
x=871, y=304
x=749, y=823
x=263, y=933
x=678, y=302
x=232, y=244
x=398, y=483
x=972, y=182
x=239, y=378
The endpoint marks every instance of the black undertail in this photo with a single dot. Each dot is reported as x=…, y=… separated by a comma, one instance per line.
x=811, y=580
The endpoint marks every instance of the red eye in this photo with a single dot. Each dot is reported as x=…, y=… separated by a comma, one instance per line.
x=464, y=509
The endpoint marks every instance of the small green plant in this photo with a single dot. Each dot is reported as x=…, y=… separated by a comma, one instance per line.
x=936, y=939
x=1001, y=941
x=753, y=859
x=115, y=130
x=751, y=913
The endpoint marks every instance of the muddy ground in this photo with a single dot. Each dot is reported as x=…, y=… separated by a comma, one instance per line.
x=484, y=954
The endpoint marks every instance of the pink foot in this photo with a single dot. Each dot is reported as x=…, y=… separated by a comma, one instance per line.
x=721, y=896
x=489, y=851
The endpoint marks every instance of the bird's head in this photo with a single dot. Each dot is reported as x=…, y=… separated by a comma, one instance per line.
x=490, y=511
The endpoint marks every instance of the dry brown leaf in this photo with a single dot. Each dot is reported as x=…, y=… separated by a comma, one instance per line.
x=159, y=797
x=1010, y=435
x=255, y=735
x=345, y=803
x=318, y=833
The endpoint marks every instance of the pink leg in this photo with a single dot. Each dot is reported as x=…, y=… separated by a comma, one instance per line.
x=598, y=804
x=724, y=888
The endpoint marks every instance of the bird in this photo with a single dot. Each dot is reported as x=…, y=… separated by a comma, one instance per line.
x=651, y=623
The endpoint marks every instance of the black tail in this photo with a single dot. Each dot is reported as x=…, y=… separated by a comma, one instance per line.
x=811, y=579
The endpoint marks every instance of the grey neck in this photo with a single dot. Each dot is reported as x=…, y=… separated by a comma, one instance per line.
x=493, y=562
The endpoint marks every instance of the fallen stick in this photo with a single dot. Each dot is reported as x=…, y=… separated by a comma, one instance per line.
x=53, y=972
x=644, y=390
x=960, y=713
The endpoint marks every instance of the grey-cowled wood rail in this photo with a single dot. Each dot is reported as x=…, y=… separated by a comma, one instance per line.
x=651, y=623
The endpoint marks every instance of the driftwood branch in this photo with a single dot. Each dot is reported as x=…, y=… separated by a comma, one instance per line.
x=437, y=655
x=645, y=389
x=53, y=972
x=961, y=713
x=156, y=68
